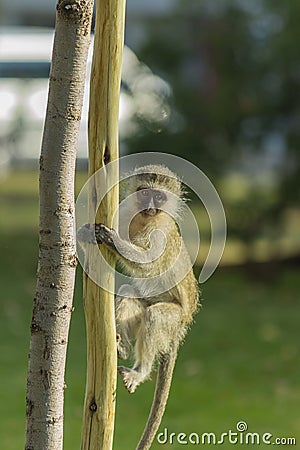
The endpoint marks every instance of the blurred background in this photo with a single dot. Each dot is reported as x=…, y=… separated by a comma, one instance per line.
x=217, y=83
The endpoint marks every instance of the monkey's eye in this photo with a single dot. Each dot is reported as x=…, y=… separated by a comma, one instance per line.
x=159, y=197
x=144, y=194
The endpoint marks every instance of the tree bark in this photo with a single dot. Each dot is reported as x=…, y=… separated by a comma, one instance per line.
x=99, y=408
x=57, y=248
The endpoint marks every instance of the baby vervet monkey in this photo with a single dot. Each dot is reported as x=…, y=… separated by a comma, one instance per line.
x=155, y=311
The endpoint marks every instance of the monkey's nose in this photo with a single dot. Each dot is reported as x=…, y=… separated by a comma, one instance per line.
x=151, y=211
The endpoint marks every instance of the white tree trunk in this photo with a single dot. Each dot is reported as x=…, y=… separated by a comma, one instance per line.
x=57, y=250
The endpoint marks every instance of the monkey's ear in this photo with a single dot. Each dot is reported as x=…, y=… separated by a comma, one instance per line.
x=86, y=234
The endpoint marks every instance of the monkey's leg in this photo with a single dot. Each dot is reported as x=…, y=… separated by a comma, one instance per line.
x=129, y=311
x=158, y=330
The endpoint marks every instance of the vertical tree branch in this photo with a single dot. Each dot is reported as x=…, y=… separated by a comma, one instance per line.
x=57, y=252
x=99, y=409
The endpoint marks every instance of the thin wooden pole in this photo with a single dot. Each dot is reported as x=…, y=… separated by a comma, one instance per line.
x=99, y=408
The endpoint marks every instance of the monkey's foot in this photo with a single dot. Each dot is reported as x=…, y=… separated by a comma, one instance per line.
x=131, y=378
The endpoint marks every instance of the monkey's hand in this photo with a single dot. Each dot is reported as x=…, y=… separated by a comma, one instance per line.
x=99, y=234
x=105, y=235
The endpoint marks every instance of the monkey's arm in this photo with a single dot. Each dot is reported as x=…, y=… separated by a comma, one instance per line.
x=100, y=234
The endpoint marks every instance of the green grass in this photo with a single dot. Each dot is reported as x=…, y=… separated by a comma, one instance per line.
x=240, y=360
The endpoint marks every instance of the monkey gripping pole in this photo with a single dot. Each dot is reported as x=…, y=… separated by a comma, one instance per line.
x=99, y=407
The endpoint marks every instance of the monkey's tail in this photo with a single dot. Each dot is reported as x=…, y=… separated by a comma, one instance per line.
x=163, y=383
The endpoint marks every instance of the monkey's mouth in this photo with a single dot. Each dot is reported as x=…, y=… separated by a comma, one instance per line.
x=149, y=212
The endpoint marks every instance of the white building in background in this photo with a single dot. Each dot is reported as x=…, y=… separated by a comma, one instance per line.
x=42, y=12
x=25, y=55
x=24, y=66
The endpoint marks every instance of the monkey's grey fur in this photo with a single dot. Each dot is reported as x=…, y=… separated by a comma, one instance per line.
x=155, y=322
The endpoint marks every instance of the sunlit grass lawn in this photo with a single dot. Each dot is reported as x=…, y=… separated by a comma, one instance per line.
x=240, y=360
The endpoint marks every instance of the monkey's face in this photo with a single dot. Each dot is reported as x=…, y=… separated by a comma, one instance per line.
x=150, y=201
